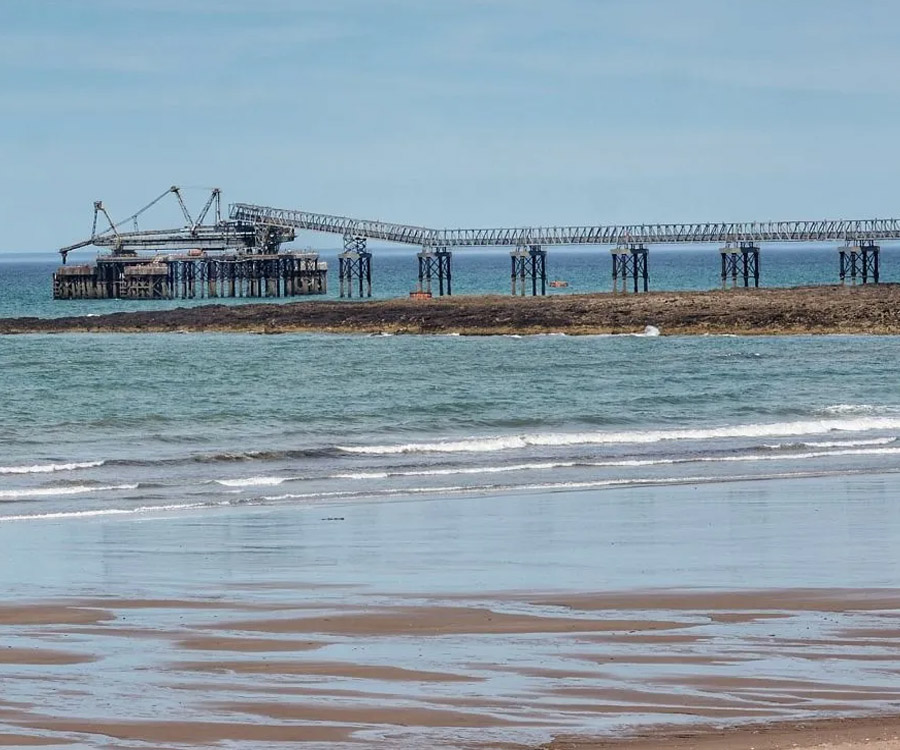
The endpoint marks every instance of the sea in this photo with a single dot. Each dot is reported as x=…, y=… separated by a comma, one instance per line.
x=113, y=424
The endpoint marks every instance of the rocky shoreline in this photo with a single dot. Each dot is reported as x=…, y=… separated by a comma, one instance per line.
x=871, y=309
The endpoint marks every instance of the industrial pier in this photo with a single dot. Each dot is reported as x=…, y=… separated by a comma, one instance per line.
x=189, y=276
x=242, y=256
x=198, y=260
x=857, y=241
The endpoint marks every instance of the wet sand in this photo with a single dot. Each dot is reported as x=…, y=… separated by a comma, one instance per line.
x=828, y=734
x=869, y=309
x=573, y=628
x=280, y=690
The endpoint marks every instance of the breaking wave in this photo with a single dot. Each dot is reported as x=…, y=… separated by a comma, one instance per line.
x=831, y=444
x=105, y=512
x=253, y=481
x=546, y=486
x=55, y=491
x=636, y=462
x=512, y=442
x=49, y=468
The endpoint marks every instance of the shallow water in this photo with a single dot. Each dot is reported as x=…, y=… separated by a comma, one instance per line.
x=112, y=424
x=538, y=614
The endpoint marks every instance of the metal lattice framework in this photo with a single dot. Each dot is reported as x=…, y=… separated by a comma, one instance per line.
x=343, y=225
x=846, y=230
x=196, y=233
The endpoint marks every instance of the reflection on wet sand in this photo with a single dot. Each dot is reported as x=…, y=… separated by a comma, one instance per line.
x=516, y=669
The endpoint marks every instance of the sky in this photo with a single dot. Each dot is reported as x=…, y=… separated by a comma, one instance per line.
x=449, y=113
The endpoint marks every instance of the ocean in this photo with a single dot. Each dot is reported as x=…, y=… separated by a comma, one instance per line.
x=132, y=424
x=115, y=424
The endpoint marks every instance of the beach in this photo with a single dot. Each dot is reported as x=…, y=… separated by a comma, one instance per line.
x=870, y=309
x=478, y=375
x=343, y=541
x=874, y=734
x=494, y=621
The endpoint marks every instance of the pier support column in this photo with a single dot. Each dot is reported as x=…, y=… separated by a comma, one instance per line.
x=445, y=271
x=252, y=268
x=229, y=276
x=750, y=263
x=630, y=261
x=528, y=261
x=288, y=272
x=435, y=264
x=190, y=276
x=517, y=269
x=740, y=261
x=863, y=260
x=355, y=263
x=212, y=278
x=730, y=264
x=271, y=267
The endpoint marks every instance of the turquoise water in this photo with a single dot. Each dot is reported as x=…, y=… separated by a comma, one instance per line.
x=124, y=424
x=100, y=424
x=25, y=285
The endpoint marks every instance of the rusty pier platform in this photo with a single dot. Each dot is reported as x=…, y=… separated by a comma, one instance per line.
x=193, y=275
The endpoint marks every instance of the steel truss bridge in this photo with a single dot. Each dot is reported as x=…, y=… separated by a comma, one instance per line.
x=253, y=230
x=849, y=231
x=262, y=229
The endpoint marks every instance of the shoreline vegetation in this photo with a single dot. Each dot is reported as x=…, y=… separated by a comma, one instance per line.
x=864, y=309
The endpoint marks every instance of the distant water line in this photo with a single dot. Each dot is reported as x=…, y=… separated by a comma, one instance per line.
x=25, y=286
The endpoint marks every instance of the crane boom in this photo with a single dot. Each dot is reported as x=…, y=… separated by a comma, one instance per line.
x=218, y=236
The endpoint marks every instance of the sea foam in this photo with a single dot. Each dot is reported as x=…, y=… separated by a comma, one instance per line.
x=101, y=512
x=49, y=468
x=832, y=443
x=637, y=462
x=550, y=439
x=54, y=491
x=542, y=486
x=253, y=481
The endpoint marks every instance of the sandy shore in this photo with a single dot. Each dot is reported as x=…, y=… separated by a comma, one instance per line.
x=679, y=654
x=516, y=621
x=882, y=733
x=871, y=309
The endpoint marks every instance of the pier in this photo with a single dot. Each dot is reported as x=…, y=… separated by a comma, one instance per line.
x=242, y=256
x=193, y=276
x=739, y=243
x=199, y=260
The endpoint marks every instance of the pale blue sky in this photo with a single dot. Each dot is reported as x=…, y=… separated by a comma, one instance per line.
x=450, y=112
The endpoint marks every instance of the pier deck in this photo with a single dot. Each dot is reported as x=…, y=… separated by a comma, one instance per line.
x=193, y=275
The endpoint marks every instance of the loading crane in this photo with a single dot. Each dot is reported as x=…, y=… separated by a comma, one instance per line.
x=124, y=238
